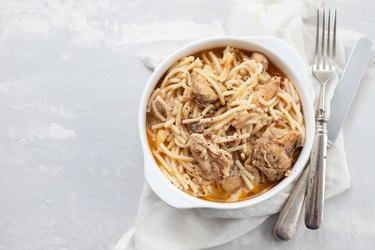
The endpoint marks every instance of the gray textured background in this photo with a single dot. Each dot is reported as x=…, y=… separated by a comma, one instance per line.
x=71, y=164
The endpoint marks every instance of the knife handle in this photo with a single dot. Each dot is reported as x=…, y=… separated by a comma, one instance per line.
x=286, y=224
x=316, y=179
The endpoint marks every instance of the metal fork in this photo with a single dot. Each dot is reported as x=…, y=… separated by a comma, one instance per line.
x=323, y=69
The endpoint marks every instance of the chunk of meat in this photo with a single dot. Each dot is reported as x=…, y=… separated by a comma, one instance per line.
x=232, y=183
x=201, y=90
x=161, y=106
x=273, y=151
x=269, y=90
x=260, y=58
x=259, y=177
x=157, y=106
x=264, y=77
x=241, y=119
x=289, y=142
x=213, y=161
x=198, y=127
x=248, y=151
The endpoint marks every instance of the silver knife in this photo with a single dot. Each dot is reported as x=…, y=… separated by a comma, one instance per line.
x=347, y=89
x=286, y=224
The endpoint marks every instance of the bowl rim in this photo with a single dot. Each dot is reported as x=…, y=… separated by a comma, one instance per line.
x=264, y=44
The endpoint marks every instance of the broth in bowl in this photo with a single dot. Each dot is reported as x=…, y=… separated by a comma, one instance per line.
x=225, y=124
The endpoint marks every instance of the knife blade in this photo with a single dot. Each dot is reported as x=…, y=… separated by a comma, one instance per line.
x=348, y=85
x=286, y=224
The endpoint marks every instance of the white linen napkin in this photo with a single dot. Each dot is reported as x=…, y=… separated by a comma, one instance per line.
x=159, y=226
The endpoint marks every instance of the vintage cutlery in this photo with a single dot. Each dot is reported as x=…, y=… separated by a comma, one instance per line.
x=286, y=224
x=323, y=70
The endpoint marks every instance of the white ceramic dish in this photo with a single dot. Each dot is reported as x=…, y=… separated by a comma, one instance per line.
x=283, y=57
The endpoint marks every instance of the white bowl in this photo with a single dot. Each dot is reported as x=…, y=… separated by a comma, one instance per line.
x=278, y=53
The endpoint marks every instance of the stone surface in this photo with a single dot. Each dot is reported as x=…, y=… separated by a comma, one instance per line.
x=70, y=81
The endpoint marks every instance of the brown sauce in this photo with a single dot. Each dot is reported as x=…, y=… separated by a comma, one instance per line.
x=222, y=196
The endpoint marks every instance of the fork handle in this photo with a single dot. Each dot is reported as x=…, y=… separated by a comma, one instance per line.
x=286, y=224
x=316, y=181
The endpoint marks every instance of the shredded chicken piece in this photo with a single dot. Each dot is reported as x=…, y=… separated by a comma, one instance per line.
x=269, y=90
x=273, y=151
x=163, y=109
x=260, y=58
x=264, y=77
x=232, y=183
x=241, y=119
x=159, y=107
x=198, y=127
x=213, y=161
x=259, y=177
x=249, y=146
x=201, y=90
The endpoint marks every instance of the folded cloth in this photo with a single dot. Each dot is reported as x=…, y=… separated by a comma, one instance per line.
x=159, y=226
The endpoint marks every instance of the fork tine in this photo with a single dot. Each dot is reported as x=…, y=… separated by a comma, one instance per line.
x=334, y=38
x=322, y=51
x=328, y=40
x=317, y=58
